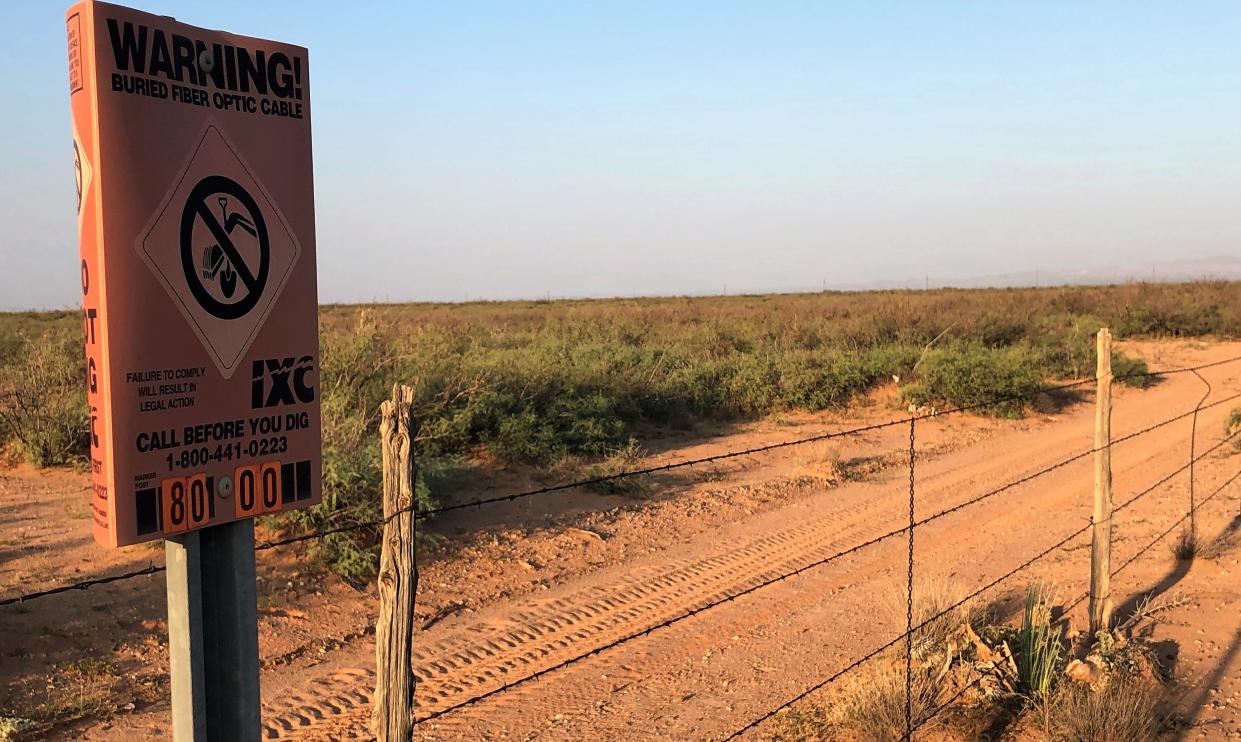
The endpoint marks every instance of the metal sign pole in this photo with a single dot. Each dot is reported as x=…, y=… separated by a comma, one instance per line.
x=213, y=639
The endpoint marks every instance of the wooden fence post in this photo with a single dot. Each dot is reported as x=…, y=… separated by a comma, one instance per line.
x=1101, y=544
x=392, y=709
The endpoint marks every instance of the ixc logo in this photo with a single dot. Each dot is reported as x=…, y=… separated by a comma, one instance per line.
x=280, y=381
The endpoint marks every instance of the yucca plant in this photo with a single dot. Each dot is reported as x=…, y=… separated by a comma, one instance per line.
x=1039, y=646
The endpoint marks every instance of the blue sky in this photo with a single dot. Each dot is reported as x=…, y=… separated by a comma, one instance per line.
x=496, y=150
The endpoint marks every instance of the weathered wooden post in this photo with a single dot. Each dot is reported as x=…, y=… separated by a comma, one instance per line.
x=392, y=710
x=1101, y=544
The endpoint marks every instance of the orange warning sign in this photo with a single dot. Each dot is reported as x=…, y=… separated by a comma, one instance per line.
x=192, y=161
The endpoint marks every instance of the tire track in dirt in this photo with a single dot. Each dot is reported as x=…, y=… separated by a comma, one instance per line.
x=342, y=693
x=541, y=634
x=544, y=633
x=460, y=661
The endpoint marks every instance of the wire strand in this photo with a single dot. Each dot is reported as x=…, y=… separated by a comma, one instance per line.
x=377, y=523
x=805, y=568
x=1115, y=572
x=982, y=404
x=1054, y=547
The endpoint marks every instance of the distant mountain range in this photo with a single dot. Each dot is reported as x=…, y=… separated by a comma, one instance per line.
x=1223, y=267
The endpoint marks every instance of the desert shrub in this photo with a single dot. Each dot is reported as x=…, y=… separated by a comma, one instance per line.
x=43, y=398
x=539, y=383
x=1066, y=345
x=624, y=459
x=976, y=375
x=354, y=378
x=871, y=702
x=1038, y=646
x=1174, y=314
x=938, y=608
x=1126, y=710
x=1233, y=428
x=1130, y=371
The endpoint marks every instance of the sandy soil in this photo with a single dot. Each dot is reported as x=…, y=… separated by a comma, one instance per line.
x=511, y=590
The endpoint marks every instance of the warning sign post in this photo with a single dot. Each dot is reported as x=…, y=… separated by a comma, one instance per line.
x=195, y=204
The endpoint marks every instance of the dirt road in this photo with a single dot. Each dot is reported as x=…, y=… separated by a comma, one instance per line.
x=703, y=677
x=707, y=675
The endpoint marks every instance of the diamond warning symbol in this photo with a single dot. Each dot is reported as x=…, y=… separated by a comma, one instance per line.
x=221, y=248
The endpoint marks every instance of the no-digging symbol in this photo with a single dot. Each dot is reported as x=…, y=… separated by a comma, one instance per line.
x=214, y=284
x=222, y=249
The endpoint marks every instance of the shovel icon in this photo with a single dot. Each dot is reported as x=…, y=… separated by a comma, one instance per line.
x=216, y=265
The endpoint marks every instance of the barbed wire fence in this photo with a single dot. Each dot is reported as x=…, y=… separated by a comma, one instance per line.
x=908, y=530
x=1132, y=558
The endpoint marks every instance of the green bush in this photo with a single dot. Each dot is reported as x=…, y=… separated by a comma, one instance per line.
x=976, y=375
x=43, y=399
x=1130, y=371
x=354, y=379
x=539, y=383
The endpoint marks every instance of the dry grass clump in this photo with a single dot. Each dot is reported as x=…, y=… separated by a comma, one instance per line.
x=77, y=689
x=939, y=610
x=1187, y=545
x=866, y=705
x=995, y=677
x=626, y=458
x=870, y=704
x=1127, y=710
x=873, y=704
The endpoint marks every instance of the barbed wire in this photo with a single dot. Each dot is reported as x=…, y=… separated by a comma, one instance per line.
x=1179, y=470
x=982, y=404
x=975, y=594
x=1130, y=560
x=508, y=685
x=944, y=706
x=1173, y=527
x=1062, y=463
x=1181, y=520
x=1078, y=456
x=83, y=585
x=879, y=650
x=420, y=514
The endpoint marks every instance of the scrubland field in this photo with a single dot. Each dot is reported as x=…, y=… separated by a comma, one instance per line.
x=554, y=384
x=519, y=394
